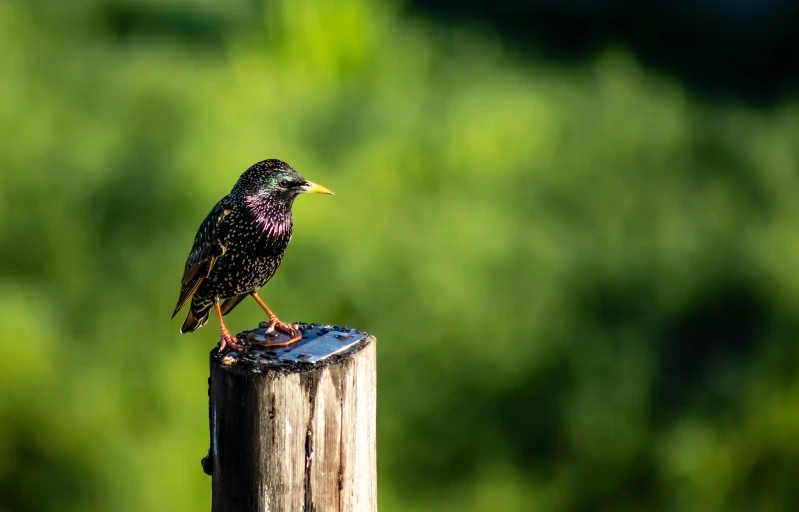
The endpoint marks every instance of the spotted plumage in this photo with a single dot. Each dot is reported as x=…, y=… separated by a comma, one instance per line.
x=240, y=245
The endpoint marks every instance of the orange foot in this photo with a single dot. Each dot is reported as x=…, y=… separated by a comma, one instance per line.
x=228, y=340
x=276, y=325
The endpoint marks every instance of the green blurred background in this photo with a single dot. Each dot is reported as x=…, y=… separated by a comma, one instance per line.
x=582, y=273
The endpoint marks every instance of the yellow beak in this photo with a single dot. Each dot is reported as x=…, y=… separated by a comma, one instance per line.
x=313, y=188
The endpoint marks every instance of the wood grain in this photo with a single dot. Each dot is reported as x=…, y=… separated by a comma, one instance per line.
x=295, y=438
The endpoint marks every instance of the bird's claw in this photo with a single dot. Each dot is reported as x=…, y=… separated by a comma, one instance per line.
x=274, y=325
x=227, y=340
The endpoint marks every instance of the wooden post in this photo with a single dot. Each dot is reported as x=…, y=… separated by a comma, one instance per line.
x=293, y=428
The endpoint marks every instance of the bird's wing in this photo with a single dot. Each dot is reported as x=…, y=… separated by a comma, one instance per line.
x=229, y=304
x=204, y=254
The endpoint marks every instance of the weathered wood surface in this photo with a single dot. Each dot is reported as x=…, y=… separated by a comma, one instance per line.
x=292, y=435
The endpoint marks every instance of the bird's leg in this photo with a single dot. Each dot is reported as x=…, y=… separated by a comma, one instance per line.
x=275, y=324
x=226, y=339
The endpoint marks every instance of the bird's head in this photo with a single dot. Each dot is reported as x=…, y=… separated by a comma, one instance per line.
x=275, y=180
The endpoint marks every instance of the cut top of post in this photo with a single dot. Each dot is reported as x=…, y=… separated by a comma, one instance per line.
x=320, y=345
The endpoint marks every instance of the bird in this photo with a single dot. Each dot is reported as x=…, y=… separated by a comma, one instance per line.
x=239, y=246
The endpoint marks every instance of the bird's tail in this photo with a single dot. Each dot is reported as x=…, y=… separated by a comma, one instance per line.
x=196, y=318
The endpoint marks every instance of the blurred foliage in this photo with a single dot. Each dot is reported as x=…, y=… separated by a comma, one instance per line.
x=735, y=49
x=582, y=279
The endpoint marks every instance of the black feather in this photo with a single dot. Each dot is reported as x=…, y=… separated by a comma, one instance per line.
x=241, y=242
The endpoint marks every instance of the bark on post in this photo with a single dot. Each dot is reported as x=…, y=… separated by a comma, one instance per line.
x=293, y=429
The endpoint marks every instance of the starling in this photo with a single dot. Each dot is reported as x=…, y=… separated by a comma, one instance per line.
x=239, y=246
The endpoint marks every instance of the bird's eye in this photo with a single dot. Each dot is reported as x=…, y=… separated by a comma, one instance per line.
x=284, y=183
